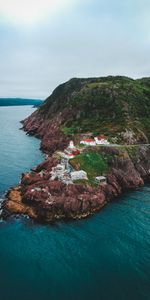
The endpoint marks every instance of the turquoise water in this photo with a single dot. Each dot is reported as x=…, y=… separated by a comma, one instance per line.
x=105, y=257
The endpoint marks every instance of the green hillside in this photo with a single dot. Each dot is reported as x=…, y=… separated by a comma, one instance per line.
x=109, y=105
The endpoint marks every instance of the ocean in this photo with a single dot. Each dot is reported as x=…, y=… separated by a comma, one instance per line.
x=104, y=257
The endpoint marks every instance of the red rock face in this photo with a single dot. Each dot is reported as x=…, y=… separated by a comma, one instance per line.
x=47, y=165
x=53, y=200
x=52, y=138
x=30, y=178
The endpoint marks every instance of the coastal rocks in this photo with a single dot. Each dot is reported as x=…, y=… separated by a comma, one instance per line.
x=53, y=143
x=14, y=205
x=64, y=202
x=31, y=178
x=142, y=163
x=127, y=180
x=44, y=194
x=32, y=124
x=48, y=193
x=113, y=188
x=48, y=131
x=48, y=201
x=47, y=164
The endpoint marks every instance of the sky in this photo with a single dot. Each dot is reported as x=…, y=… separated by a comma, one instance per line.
x=44, y=43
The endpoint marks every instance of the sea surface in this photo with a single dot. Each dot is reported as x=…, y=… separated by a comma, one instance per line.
x=105, y=257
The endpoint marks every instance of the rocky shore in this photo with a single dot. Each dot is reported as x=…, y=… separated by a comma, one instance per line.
x=47, y=200
x=118, y=107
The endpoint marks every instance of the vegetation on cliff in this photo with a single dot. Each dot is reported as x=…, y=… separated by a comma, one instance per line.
x=48, y=200
x=116, y=106
x=93, y=163
x=97, y=161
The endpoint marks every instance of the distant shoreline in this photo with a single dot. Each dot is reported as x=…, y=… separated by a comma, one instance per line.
x=19, y=102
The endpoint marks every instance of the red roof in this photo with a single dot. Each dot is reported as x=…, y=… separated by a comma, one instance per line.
x=76, y=152
x=102, y=137
x=88, y=140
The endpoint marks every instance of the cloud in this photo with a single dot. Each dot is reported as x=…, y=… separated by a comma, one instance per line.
x=31, y=11
x=88, y=38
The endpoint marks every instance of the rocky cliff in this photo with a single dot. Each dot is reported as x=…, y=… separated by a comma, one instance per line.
x=118, y=107
x=48, y=200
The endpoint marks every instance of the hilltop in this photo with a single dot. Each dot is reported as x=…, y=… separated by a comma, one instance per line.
x=76, y=182
x=116, y=106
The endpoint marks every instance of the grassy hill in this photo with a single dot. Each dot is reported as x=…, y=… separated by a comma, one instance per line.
x=116, y=106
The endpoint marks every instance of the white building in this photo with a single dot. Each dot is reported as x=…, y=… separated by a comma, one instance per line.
x=78, y=175
x=88, y=142
x=101, y=140
x=71, y=145
x=101, y=179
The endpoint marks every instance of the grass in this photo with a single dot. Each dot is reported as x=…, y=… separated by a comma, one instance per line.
x=107, y=105
x=133, y=151
x=94, y=164
x=67, y=130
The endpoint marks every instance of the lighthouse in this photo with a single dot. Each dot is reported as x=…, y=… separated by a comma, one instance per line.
x=71, y=145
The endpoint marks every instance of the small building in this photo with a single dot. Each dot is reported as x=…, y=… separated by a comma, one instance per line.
x=88, y=142
x=71, y=150
x=71, y=145
x=101, y=140
x=101, y=179
x=68, y=154
x=78, y=175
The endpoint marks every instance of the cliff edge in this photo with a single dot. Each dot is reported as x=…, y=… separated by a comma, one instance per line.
x=116, y=107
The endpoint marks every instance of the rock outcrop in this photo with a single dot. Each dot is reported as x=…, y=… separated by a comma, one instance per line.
x=48, y=200
x=116, y=106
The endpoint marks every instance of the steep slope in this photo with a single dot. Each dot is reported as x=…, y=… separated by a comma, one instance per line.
x=118, y=107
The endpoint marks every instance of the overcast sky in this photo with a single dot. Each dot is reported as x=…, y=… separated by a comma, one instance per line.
x=44, y=43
